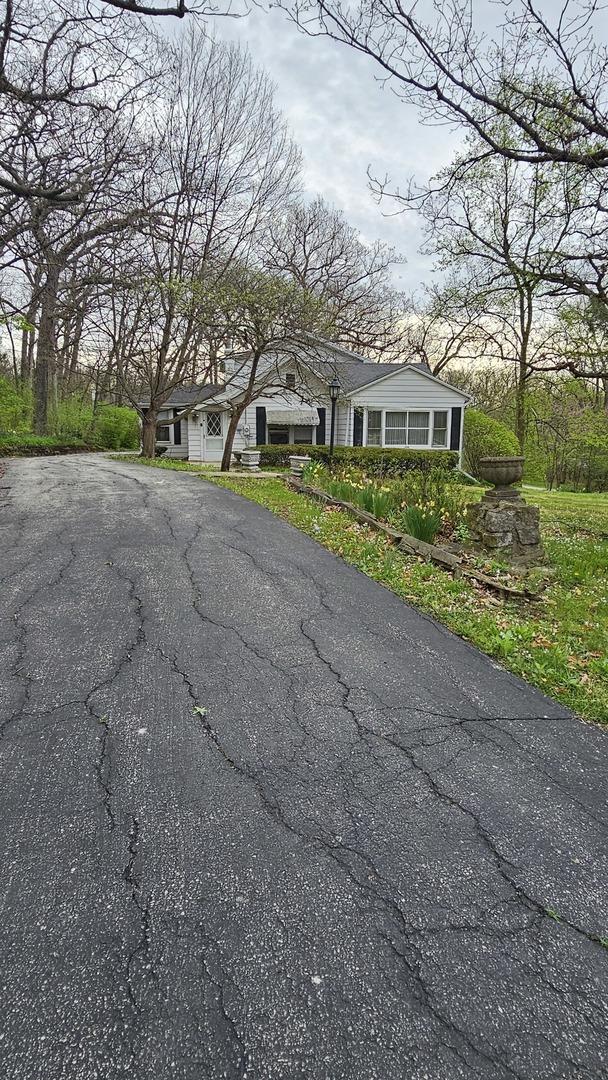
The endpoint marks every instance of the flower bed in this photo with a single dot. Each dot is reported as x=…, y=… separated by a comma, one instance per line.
x=423, y=503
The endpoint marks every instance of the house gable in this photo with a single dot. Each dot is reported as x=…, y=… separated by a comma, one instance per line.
x=408, y=387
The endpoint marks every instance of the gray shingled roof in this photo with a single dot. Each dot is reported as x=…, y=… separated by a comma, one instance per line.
x=354, y=373
x=186, y=395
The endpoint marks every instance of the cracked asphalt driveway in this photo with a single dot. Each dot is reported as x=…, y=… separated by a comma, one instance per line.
x=261, y=820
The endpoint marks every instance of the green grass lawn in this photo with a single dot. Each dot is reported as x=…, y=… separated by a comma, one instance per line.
x=166, y=463
x=559, y=642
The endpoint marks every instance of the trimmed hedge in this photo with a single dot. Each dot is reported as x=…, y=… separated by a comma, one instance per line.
x=376, y=460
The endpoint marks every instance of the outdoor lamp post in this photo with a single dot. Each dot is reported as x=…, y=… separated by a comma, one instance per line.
x=334, y=393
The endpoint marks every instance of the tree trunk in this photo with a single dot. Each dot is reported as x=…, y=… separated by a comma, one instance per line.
x=44, y=380
x=526, y=322
x=520, y=404
x=27, y=338
x=148, y=439
x=232, y=426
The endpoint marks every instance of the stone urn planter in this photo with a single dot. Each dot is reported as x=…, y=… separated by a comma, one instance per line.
x=502, y=472
x=250, y=460
x=502, y=523
x=298, y=462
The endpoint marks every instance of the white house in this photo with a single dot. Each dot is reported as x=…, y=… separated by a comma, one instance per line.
x=392, y=405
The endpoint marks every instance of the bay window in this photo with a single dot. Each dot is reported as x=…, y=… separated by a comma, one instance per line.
x=415, y=428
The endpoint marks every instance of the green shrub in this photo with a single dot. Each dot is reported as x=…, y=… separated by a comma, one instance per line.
x=72, y=418
x=486, y=437
x=27, y=445
x=109, y=426
x=15, y=407
x=376, y=461
x=116, y=427
x=420, y=522
x=438, y=489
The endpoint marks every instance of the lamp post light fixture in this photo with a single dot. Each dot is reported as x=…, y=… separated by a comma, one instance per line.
x=334, y=393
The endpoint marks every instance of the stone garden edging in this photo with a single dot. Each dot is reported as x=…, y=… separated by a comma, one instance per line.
x=411, y=545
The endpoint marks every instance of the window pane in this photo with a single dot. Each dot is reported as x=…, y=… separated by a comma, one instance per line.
x=395, y=429
x=302, y=434
x=418, y=429
x=440, y=428
x=214, y=424
x=277, y=435
x=374, y=428
x=162, y=434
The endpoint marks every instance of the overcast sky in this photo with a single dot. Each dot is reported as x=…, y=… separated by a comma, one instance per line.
x=345, y=121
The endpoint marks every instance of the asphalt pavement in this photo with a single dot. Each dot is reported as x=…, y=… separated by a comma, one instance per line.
x=259, y=819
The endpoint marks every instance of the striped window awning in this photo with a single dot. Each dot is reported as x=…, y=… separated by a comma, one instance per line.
x=298, y=417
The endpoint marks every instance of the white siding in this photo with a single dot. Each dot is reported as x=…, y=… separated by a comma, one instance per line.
x=195, y=431
x=407, y=389
x=286, y=400
x=173, y=451
x=410, y=390
x=344, y=424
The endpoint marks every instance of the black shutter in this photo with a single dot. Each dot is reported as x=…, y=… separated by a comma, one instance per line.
x=358, y=427
x=455, y=429
x=177, y=430
x=321, y=437
x=260, y=426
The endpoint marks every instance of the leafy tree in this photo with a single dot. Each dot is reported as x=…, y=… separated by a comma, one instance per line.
x=15, y=407
x=486, y=437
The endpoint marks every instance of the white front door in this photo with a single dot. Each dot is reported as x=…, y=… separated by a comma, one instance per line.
x=213, y=436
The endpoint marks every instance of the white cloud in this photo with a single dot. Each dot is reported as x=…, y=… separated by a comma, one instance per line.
x=346, y=121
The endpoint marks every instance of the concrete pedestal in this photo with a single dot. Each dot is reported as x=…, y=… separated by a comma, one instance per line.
x=508, y=528
x=250, y=460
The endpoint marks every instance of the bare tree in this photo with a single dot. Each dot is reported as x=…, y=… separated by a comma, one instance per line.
x=224, y=165
x=580, y=346
x=314, y=244
x=57, y=243
x=546, y=76
x=56, y=58
x=443, y=328
x=534, y=91
x=493, y=226
x=269, y=318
